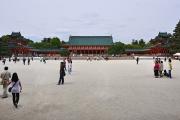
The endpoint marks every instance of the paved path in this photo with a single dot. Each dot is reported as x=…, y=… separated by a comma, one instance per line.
x=97, y=90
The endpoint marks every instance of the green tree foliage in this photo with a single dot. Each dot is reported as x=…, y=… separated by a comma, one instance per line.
x=64, y=53
x=142, y=43
x=4, y=51
x=131, y=46
x=55, y=42
x=176, y=38
x=117, y=48
x=5, y=38
x=135, y=42
x=48, y=43
x=177, y=31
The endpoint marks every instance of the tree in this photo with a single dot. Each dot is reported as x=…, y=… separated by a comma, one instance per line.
x=177, y=31
x=5, y=38
x=117, y=48
x=142, y=43
x=4, y=45
x=64, y=53
x=47, y=43
x=176, y=38
x=55, y=42
x=135, y=42
x=130, y=46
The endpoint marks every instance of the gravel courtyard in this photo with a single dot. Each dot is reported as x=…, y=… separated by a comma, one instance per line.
x=97, y=90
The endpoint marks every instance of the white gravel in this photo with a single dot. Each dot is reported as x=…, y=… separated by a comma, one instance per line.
x=97, y=90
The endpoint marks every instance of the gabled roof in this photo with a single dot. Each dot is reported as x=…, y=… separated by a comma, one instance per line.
x=163, y=34
x=16, y=34
x=90, y=40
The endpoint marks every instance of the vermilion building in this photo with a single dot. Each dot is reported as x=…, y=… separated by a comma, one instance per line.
x=18, y=44
x=89, y=44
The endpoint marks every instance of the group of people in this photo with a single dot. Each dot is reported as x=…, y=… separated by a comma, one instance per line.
x=14, y=85
x=43, y=60
x=15, y=60
x=24, y=61
x=162, y=68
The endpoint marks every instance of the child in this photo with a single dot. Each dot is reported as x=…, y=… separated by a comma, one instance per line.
x=166, y=74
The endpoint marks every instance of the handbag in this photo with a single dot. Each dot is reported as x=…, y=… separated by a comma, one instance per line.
x=10, y=88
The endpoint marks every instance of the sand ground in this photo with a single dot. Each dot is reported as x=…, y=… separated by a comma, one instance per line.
x=97, y=90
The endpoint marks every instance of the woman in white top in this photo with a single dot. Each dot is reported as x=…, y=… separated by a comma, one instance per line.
x=16, y=89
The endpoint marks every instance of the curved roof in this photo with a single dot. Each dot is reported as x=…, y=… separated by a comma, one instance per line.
x=90, y=40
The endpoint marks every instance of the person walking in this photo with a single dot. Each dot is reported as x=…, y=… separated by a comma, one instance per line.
x=16, y=88
x=4, y=61
x=64, y=61
x=170, y=67
x=28, y=61
x=44, y=60
x=137, y=60
x=69, y=65
x=5, y=76
x=62, y=73
x=24, y=60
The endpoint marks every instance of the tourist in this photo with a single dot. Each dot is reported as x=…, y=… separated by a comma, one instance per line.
x=156, y=69
x=5, y=76
x=68, y=65
x=4, y=61
x=44, y=60
x=15, y=59
x=28, y=61
x=161, y=68
x=16, y=88
x=170, y=68
x=137, y=60
x=24, y=60
x=165, y=68
x=64, y=60
x=165, y=59
x=9, y=59
x=62, y=73
x=165, y=73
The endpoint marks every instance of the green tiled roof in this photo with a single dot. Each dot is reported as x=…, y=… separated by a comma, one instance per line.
x=90, y=40
x=136, y=50
x=48, y=50
x=163, y=34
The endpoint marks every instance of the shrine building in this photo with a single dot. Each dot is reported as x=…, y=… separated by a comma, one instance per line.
x=89, y=44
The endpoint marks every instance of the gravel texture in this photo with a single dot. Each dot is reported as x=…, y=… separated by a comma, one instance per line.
x=97, y=90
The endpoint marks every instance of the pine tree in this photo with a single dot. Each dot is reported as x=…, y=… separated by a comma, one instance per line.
x=176, y=38
x=177, y=31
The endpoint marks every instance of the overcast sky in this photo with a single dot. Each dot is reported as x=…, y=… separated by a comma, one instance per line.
x=123, y=19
